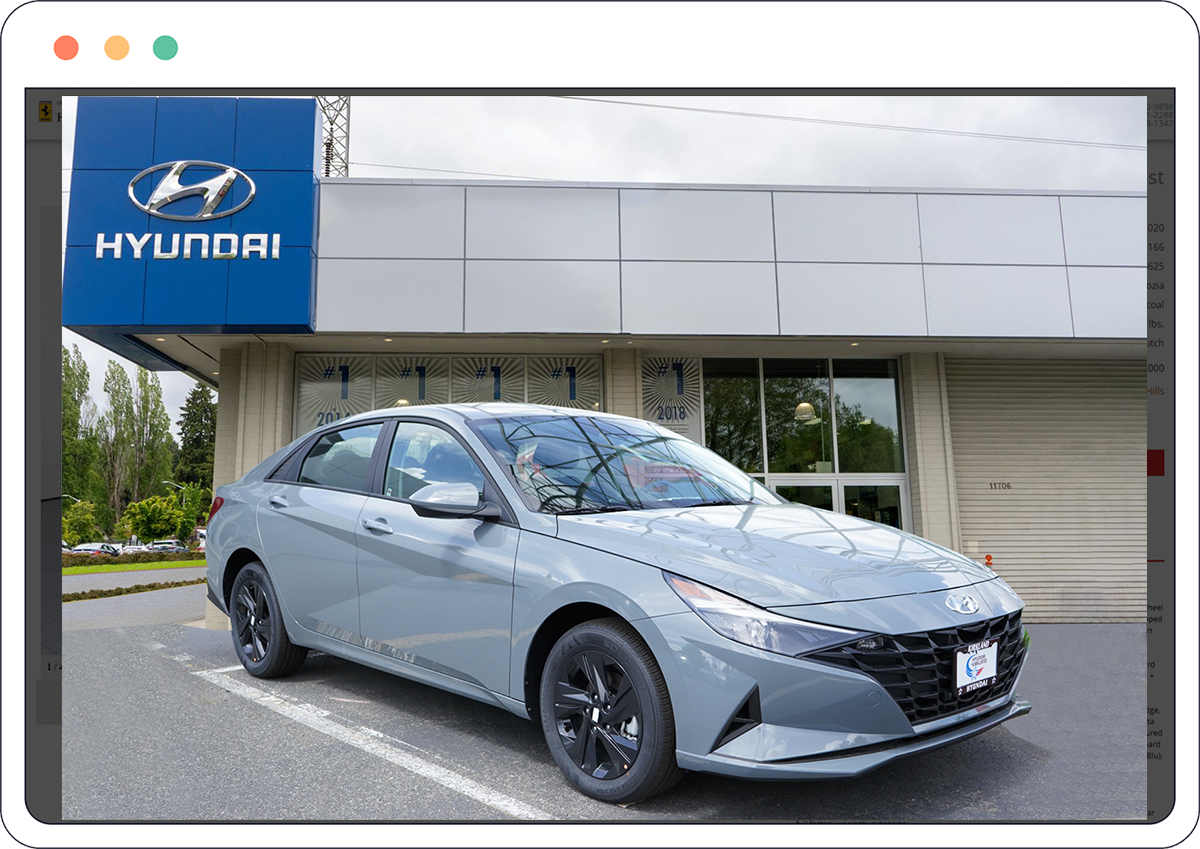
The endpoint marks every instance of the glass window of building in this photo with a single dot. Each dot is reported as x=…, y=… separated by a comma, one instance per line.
x=868, y=416
x=799, y=427
x=732, y=412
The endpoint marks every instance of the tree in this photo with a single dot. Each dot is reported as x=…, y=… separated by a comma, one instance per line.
x=78, y=522
x=195, y=502
x=150, y=452
x=198, y=438
x=80, y=450
x=115, y=432
x=153, y=518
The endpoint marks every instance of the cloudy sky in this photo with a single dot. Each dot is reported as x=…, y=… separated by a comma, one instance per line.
x=565, y=139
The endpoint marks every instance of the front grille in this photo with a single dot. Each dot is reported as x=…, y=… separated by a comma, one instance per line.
x=917, y=670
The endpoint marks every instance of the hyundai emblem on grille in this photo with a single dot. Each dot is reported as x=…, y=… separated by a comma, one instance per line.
x=962, y=604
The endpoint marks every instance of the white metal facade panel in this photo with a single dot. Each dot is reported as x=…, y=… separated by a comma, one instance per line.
x=846, y=227
x=691, y=225
x=530, y=223
x=1104, y=231
x=511, y=296
x=979, y=300
x=719, y=298
x=390, y=295
x=1109, y=302
x=842, y=299
x=418, y=222
x=1001, y=229
x=1050, y=466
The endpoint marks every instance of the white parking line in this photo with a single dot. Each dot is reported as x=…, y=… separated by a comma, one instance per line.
x=369, y=744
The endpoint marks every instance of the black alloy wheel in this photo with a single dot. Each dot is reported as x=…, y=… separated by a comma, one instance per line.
x=259, y=636
x=607, y=715
x=597, y=715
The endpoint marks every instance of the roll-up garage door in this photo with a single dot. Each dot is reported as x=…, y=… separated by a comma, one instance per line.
x=1050, y=465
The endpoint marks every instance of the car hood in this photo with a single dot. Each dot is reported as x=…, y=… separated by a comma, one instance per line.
x=778, y=554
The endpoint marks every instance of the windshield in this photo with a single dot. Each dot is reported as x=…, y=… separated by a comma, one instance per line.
x=579, y=464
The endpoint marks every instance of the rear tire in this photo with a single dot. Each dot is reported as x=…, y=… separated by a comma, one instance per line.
x=259, y=636
x=606, y=713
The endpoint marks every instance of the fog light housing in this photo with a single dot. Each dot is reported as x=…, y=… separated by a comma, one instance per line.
x=869, y=644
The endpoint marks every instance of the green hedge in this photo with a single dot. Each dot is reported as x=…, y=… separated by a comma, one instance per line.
x=135, y=557
x=136, y=588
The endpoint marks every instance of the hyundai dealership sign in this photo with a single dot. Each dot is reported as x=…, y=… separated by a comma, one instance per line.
x=191, y=214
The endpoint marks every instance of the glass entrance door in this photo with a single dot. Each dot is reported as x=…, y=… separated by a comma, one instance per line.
x=813, y=496
x=876, y=503
x=883, y=501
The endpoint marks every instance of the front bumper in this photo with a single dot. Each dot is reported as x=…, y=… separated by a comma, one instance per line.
x=808, y=720
x=849, y=762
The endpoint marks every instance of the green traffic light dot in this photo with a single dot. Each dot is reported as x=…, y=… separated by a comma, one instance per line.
x=165, y=47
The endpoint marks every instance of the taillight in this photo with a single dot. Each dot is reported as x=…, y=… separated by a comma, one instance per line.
x=217, y=502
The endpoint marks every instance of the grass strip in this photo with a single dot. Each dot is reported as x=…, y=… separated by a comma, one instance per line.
x=103, y=568
x=136, y=588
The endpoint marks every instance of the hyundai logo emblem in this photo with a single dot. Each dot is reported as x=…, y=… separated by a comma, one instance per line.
x=171, y=188
x=963, y=604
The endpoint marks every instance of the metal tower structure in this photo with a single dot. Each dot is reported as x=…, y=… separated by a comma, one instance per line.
x=335, y=156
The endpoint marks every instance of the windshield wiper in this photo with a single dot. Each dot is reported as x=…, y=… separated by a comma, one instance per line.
x=728, y=502
x=576, y=511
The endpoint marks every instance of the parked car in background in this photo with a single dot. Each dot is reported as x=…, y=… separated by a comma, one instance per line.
x=65, y=546
x=134, y=549
x=656, y=608
x=95, y=548
x=167, y=545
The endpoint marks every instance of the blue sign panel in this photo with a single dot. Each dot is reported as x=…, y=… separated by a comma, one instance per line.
x=191, y=215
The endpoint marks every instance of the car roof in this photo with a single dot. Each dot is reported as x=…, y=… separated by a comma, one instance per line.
x=450, y=414
x=454, y=413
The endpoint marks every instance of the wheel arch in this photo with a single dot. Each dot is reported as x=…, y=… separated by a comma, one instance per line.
x=548, y=633
x=236, y=562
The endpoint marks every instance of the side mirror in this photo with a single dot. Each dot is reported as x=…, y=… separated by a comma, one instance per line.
x=452, y=500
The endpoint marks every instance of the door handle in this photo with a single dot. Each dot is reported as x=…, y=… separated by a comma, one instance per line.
x=381, y=527
x=278, y=501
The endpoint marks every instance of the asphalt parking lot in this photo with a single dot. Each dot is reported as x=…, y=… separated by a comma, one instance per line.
x=160, y=723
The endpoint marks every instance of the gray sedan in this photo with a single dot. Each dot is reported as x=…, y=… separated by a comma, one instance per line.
x=654, y=608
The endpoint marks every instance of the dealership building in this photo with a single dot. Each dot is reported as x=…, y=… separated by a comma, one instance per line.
x=968, y=365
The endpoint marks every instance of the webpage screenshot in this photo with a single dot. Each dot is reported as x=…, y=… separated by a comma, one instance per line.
x=440, y=442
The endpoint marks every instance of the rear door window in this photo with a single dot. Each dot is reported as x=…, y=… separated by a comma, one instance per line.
x=342, y=458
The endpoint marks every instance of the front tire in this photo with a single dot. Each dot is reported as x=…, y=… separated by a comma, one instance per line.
x=606, y=713
x=259, y=636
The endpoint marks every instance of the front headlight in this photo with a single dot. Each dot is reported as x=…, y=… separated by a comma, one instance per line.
x=754, y=626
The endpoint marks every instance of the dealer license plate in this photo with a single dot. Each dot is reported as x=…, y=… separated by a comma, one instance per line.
x=976, y=666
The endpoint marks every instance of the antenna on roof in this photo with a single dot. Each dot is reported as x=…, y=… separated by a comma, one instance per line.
x=335, y=143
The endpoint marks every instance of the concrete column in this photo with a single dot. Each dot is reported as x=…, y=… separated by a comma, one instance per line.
x=254, y=418
x=264, y=402
x=623, y=381
x=225, y=449
x=931, y=481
